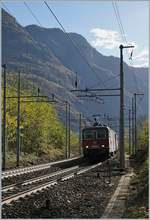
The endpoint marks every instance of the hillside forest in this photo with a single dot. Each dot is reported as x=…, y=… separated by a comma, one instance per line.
x=42, y=134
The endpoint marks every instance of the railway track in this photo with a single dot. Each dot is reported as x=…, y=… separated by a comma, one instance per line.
x=35, y=179
x=25, y=170
x=29, y=187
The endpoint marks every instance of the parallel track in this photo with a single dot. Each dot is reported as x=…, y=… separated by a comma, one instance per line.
x=54, y=179
x=36, y=179
x=20, y=171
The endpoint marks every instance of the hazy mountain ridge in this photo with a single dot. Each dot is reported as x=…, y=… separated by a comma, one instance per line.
x=21, y=51
x=47, y=53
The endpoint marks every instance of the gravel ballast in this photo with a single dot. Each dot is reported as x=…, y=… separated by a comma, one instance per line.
x=84, y=196
x=26, y=176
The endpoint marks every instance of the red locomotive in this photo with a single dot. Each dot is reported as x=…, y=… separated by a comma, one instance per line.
x=99, y=142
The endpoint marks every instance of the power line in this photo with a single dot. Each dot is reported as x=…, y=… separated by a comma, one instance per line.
x=97, y=99
x=29, y=9
x=131, y=62
x=118, y=18
x=134, y=77
x=73, y=43
x=6, y=8
x=108, y=80
x=116, y=10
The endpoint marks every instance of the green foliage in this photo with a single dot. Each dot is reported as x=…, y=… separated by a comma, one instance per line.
x=137, y=203
x=137, y=212
x=126, y=141
x=41, y=131
x=143, y=139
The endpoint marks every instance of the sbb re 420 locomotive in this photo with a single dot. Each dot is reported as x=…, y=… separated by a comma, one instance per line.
x=99, y=142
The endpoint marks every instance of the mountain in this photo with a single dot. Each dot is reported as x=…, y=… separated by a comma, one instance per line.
x=65, y=51
x=48, y=57
x=21, y=52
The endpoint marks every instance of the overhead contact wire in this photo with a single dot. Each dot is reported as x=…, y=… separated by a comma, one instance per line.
x=134, y=77
x=30, y=10
x=118, y=18
x=73, y=43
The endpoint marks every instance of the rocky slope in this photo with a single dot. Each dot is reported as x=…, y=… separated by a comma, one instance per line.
x=49, y=59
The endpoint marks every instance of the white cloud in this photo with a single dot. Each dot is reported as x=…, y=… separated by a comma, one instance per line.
x=142, y=58
x=105, y=38
x=108, y=39
x=143, y=55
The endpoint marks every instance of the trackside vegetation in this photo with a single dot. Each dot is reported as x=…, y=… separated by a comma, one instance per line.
x=42, y=134
x=137, y=203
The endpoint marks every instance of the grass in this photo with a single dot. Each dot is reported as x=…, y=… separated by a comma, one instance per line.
x=137, y=202
x=31, y=159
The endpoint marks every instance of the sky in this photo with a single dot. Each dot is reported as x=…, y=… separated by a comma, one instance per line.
x=94, y=20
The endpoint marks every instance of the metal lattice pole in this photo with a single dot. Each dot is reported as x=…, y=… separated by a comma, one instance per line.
x=80, y=133
x=66, y=145
x=121, y=130
x=133, y=126
x=4, y=120
x=121, y=139
x=18, y=122
x=129, y=131
x=69, y=130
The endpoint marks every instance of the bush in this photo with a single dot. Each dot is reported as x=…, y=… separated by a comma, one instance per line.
x=41, y=132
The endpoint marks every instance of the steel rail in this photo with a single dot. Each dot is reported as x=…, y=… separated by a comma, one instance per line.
x=36, y=179
x=24, y=170
x=42, y=186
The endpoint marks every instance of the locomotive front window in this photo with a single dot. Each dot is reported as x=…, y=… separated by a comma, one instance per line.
x=88, y=135
x=101, y=134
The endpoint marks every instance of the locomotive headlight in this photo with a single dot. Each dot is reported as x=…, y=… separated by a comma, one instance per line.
x=87, y=147
x=102, y=145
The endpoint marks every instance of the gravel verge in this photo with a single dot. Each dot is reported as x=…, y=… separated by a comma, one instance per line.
x=85, y=196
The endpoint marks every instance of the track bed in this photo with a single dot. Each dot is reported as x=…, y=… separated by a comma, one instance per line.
x=84, y=196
